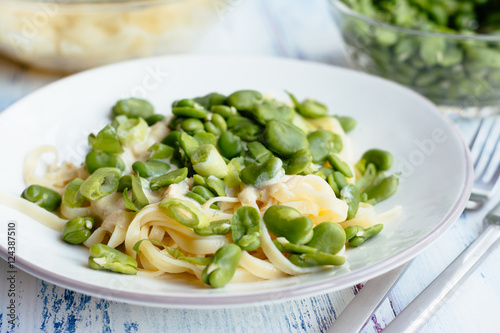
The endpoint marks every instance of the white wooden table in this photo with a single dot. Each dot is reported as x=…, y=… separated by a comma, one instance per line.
x=287, y=28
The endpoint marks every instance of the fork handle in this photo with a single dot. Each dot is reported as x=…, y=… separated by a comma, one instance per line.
x=425, y=304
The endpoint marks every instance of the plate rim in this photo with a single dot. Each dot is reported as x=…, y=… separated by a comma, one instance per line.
x=264, y=297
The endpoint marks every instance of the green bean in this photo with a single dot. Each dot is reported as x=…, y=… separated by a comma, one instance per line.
x=172, y=139
x=184, y=212
x=78, y=230
x=103, y=257
x=221, y=227
x=151, y=120
x=351, y=196
x=173, y=177
x=44, y=197
x=234, y=167
x=72, y=196
x=245, y=228
x=224, y=110
x=316, y=259
x=211, y=100
x=322, y=143
x=222, y=269
x=192, y=125
x=230, y=145
x=244, y=100
x=132, y=131
x=150, y=168
x=190, y=112
x=258, y=152
x=216, y=185
x=328, y=237
x=284, y=138
x=299, y=162
x=270, y=110
x=207, y=161
x=309, y=108
x=101, y=183
x=347, y=123
x=339, y=165
x=383, y=190
x=96, y=160
x=107, y=141
x=283, y=245
x=258, y=173
x=160, y=151
x=362, y=235
x=133, y=108
x=284, y=221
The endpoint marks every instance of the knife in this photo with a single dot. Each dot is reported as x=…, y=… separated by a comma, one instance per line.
x=360, y=310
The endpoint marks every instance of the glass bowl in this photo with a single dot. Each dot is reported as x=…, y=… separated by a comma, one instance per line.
x=73, y=35
x=460, y=72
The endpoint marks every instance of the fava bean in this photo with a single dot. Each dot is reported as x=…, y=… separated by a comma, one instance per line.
x=351, y=196
x=160, y=151
x=284, y=138
x=103, y=257
x=244, y=100
x=224, y=110
x=42, y=196
x=230, y=145
x=323, y=143
x=360, y=235
x=383, y=190
x=299, y=162
x=339, y=165
x=216, y=186
x=309, y=108
x=284, y=221
x=245, y=228
x=316, y=259
x=223, y=267
x=258, y=173
x=99, y=159
x=150, y=168
x=190, y=112
x=192, y=125
x=328, y=237
x=210, y=100
x=151, y=120
x=221, y=227
x=133, y=108
x=173, y=177
x=78, y=230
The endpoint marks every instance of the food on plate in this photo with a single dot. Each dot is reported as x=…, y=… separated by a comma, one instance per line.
x=231, y=188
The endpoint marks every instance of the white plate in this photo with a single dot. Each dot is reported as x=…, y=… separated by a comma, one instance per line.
x=429, y=152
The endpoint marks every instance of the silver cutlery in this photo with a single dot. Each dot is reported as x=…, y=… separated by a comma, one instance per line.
x=359, y=311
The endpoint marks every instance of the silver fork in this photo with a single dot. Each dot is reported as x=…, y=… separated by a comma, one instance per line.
x=359, y=311
x=480, y=146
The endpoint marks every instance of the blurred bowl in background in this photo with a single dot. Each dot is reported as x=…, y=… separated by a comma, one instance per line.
x=73, y=35
x=454, y=70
